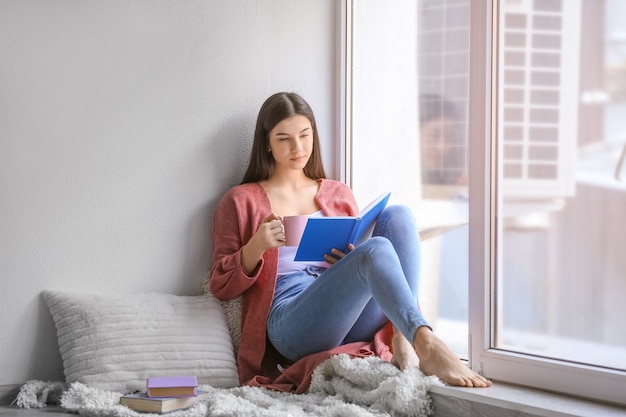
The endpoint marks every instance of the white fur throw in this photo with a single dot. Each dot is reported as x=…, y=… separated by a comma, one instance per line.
x=341, y=387
x=115, y=341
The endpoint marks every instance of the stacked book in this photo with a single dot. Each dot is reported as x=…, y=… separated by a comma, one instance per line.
x=165, y=394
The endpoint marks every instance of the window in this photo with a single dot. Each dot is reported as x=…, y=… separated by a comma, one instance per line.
x=550, y=259
x=443, y=74
x=517, y=186
x=395, y=116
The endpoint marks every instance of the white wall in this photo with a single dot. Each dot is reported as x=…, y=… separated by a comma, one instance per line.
x=121, y=124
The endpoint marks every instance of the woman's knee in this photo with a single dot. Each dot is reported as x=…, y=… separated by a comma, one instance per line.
x=396, y=221
x=397, y=212
x=378, y=246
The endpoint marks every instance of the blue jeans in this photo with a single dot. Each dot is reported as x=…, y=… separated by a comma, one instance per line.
x=320, y=309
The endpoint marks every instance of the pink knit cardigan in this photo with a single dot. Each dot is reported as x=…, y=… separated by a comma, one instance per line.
x=237, y=217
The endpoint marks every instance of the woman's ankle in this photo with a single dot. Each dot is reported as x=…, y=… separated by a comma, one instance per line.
x=423, y=340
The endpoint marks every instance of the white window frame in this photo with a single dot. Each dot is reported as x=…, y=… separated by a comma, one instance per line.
x=550, y=375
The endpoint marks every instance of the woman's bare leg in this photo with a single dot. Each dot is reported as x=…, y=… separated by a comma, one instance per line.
x=404, y=355
x=435, y=358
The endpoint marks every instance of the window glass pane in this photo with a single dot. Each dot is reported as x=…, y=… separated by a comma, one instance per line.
x=443, y=33
x=561, y=269
x=409, y=136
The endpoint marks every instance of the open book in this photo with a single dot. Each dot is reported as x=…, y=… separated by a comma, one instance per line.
x=322, y=234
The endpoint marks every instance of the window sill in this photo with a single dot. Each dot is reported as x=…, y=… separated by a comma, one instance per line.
x=505, y=400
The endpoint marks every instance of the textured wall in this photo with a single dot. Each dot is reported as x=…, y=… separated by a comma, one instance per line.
x=121, y=124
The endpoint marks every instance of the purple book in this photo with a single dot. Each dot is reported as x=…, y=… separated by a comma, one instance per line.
x=171, y=386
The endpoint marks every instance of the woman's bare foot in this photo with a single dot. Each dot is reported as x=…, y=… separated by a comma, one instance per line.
x=404, y=355
x=435, y=358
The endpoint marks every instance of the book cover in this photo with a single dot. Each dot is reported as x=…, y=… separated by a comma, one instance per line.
x=322, y=234
x=141, y=402
x=171, y=386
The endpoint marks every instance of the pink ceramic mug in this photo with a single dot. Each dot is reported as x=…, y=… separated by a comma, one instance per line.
x=294, y=227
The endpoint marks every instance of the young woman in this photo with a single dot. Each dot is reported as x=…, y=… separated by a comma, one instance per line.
x=297, y=314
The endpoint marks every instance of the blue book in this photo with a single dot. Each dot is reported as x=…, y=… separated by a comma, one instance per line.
x=322, y=234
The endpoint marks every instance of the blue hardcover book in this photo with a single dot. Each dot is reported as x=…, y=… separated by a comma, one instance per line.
x=322, y=234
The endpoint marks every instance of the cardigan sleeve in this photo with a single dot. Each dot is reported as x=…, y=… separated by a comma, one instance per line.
x=229, y=233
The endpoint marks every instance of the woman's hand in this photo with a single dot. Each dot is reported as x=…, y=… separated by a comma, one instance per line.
x=335, y=255
x=270, y=234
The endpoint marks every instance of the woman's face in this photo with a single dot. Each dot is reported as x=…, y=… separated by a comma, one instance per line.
x=437, y=138
x=291, y=143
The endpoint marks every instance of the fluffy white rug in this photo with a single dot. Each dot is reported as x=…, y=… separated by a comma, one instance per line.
x=341, y=387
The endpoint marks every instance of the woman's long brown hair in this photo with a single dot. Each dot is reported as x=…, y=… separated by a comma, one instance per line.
x=277, y=108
